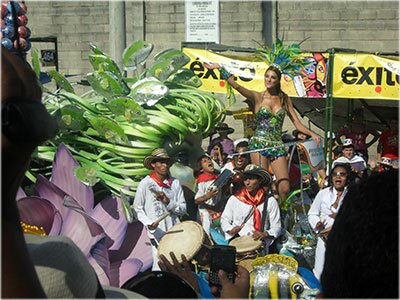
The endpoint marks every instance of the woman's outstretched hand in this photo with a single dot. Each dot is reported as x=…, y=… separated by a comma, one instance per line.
x=212, y=66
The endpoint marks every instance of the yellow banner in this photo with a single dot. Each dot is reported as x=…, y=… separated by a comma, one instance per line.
x=250, y=73
x=366, y=76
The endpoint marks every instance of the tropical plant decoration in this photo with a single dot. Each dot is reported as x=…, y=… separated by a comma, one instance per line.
x=62, y=205
x=113, y=126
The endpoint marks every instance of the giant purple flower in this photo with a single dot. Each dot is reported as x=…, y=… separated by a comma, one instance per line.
x=63, y=205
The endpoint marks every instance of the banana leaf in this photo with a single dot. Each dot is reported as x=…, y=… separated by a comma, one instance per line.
x=61, y=81
x=136, y=54
x=127, y=107
x=148, y=91
x=107, y=128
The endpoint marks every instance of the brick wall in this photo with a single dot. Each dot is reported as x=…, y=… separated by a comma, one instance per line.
x=362, y=25
x=371, y=26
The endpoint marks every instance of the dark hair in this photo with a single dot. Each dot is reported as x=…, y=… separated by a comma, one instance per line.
x=362, y=252
x=351, y=176
x=284, y=98
x=242, y=144
x=197, y=167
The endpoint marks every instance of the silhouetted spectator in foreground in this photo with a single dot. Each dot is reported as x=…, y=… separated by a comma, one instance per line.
x=362, y=252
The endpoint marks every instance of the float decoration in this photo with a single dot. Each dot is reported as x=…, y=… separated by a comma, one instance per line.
x=112, y=127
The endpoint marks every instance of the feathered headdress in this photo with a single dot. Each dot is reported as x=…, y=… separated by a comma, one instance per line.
x=287, y=59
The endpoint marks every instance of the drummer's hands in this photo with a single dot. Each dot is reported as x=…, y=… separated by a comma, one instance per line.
x=183, y=269
x=239, y=289
x=160, y=196
x=319, y=226
x=333, y=215
x=234, y=230
x=153, y=226
x=258, y=235
x=211, y=193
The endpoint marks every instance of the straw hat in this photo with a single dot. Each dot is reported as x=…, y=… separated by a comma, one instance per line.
x=157, y=154
x=223, y=127
x=256, y=170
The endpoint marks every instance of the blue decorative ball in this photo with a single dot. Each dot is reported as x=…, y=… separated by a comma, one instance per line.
x=6, y=43
x=9, y=31
x=16, y=7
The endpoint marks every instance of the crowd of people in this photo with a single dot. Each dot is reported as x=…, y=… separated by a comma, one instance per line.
x=359, y=206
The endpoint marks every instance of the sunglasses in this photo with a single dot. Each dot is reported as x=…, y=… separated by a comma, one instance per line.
x=339, y=174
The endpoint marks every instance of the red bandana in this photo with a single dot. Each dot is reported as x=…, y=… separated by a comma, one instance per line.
x=244, y=196
x=159, y=182
x=206, y=177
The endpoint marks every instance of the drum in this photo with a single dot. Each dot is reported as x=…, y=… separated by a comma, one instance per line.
x=324, y=234
x=246, y=247
x=186, y=238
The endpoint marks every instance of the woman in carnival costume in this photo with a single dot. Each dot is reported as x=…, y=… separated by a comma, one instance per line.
x=271, y=107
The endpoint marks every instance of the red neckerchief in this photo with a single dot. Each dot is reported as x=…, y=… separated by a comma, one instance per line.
x=206, y=177
x=159, y=182
x=244, y=196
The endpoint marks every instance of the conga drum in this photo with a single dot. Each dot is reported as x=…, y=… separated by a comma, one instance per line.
x=186, y=238
x=247, y=249
x=324, y=233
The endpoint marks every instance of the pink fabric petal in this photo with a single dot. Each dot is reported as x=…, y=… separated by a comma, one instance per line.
x=122, y=271
x=40, y=212
x=20, y=194
x=47, y=190
x=108, y=213
x=63, y=176
x=100, y=272
x=135, y=245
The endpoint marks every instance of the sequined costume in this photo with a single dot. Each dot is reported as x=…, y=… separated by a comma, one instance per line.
x=268, y=132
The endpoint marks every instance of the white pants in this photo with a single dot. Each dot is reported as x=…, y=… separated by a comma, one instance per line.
x=205, y=220
x=319, y=258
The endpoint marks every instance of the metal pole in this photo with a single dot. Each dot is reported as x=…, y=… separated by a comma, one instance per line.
x=117, y=32
x=329, y=108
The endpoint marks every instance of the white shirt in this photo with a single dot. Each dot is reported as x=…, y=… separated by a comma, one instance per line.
x=236, y=211
x=356, y=162
x=202, y=189
x=230, y=165
x=148, y=209
x=322, y=207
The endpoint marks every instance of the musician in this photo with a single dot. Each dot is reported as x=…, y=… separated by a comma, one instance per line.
x=159, y=195
x=244, y=214
x=237, y=165
x=239, y=162
x=323, y=210
x=205, y=175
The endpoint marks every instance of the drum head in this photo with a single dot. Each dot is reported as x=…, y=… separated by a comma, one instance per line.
x=245, y=244
x=183, y=238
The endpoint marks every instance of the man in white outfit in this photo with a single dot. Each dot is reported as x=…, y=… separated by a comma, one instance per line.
x=243, y=213
x=357, y=163
x=323, y=210
x=159, y=199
